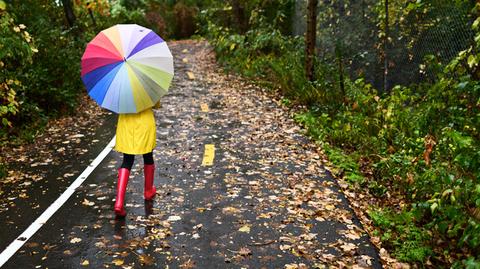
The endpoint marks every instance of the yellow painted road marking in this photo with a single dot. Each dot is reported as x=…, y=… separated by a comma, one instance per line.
x=208, y=155
x=190, y=75
x=204, y=107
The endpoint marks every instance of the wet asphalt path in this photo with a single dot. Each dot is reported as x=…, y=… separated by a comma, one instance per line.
x=266, y=202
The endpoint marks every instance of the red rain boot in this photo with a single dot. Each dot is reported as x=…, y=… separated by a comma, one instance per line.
x=149, y=190
x=123, y=174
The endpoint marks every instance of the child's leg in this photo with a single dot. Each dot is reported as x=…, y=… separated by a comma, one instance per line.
x=149, y=171
x=123, y=174
x=148, y=158
x=128, y=160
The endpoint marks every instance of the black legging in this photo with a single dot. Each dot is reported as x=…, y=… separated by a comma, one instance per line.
x=129, y=158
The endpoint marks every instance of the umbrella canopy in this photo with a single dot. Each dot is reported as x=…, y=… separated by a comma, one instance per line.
x=127, y=68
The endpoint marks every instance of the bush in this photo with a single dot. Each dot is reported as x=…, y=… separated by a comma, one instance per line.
x=16, y=51
x=410, y=242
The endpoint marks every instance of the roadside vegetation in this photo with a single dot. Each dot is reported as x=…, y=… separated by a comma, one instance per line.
x=415, y=148
x=41, y=43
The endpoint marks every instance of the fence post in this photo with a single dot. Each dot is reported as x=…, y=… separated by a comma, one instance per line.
x=385, y=49
x=339, y=56
x=310, y=38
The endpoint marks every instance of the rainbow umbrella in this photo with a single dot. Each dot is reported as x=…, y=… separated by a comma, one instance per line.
x=127, y=68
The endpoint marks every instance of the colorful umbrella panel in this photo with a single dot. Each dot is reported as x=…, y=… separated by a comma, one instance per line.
x=127, y=68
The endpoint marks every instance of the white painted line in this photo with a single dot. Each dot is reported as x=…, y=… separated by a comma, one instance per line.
x=40, y=221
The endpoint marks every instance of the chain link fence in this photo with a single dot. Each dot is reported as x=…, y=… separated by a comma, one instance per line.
x=387, y=42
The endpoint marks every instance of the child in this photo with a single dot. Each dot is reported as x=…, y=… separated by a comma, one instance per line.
x=136, y=134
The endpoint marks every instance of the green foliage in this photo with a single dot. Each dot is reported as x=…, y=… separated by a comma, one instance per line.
x=259, y=15
x=16, y=50
x=390, y=136
x=420, y=142
x=470, y=263
x=40, y=54
x=411, y=243
x=43, y=78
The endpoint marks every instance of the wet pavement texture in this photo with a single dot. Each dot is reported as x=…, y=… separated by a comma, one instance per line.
x=266, y=202
x=41, y=173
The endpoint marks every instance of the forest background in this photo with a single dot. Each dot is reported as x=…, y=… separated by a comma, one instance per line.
x=390, y=91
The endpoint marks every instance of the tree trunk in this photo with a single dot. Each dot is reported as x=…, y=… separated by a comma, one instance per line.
x=310, y=38
x=385, y=50
x=67, y=7
x=339, y=54
x=239, y=13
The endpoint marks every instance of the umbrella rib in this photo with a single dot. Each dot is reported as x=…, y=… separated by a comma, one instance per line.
x=160, y=77
x=98, y=92
x=148, y=84
x=141, y=97
x=163, y=65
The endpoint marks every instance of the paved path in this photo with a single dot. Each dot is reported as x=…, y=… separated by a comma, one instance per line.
x=264, y=202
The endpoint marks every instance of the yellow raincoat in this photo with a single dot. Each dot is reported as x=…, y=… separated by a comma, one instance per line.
x=136, y=133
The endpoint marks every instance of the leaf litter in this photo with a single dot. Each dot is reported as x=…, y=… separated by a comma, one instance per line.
x=266, y=201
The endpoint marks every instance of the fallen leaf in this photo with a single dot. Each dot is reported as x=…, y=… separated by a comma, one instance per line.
x=244, y=229
x=204, y=107
x=174, y=218
x=87, y=202
x=100, y=245
x=352, y=235
x=244, y=251
x=430, y=143
x=118, y=262
x=190, y=75
x=146, y=259
x=75, y=240
x=188, y=264
x=330, y=207
x=230, y=210
x=309, y=236
x=348, y=247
